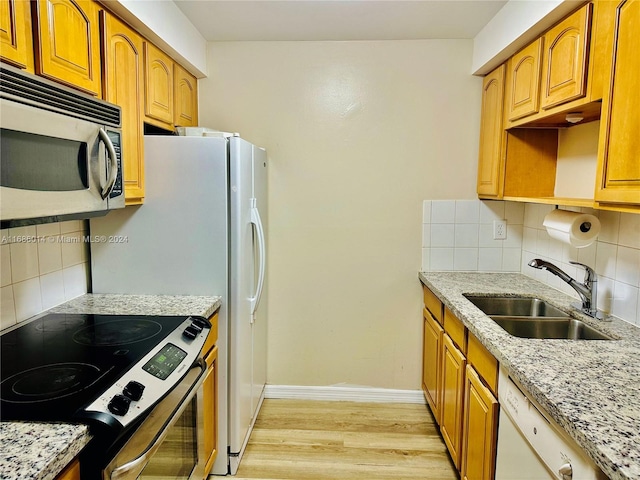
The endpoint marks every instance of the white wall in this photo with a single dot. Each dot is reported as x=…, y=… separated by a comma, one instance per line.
x=41, y=266
x=516, y=24
x=167, y=27
x=358, y=134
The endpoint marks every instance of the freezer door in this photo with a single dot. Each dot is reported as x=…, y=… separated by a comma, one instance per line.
x=247, y=287
x=260, y=314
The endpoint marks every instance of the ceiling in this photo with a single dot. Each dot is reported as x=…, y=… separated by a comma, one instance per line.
x=264, y=20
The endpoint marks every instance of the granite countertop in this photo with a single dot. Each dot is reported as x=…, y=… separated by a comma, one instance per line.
x=590, y=388
x=39, y=451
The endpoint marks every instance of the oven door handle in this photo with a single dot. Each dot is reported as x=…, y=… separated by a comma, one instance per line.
x=144, y=443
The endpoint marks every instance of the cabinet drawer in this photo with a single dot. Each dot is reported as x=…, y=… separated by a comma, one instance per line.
x=433, y=304
x=456, y=330
x=485, y=364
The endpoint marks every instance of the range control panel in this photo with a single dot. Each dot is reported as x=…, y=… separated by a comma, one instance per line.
x=148, y=381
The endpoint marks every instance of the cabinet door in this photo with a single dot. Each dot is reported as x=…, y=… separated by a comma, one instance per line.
x=524, y=81
x=480, y=430
x=67, y=43
x=158, y=105
x=185, y=93
x=123, y=85
x=453, y=372
x=618, y=179
x=431, y=369
x=71, y=471
x=210, y=405
x=16, y=46
x=566, y=50
x=490, y=160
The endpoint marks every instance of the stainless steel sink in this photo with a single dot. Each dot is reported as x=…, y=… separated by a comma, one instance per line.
x=515, y=306
x=545, y=327
x=530, y=317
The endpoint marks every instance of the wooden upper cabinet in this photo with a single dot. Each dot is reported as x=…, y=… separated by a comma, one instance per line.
x=124, y=86
x=185, y=98
x=524, y=81
x=67, y=43
x=490, y=161
x=565, y=60
x=158, y=105
x=618, y=174
x=16, y=45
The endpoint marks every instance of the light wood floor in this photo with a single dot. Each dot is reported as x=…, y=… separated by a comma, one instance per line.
x=322, y=440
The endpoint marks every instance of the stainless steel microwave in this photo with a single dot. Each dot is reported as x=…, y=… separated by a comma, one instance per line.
x=60, y=152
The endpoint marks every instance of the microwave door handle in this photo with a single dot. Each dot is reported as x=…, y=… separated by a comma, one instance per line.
x=113, y=168
x=132, y=469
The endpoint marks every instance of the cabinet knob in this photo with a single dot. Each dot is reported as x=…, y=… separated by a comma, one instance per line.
x=566, y=471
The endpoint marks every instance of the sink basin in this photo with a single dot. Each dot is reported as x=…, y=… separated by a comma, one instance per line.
x=566, y=328
x=515, y=306
x=528, y=317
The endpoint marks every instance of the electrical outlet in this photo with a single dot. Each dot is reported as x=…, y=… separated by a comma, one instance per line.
x=499, y=229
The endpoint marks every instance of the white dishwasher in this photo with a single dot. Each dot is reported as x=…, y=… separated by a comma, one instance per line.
x=532, y=446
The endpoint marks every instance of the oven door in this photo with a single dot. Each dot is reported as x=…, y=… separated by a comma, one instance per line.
x=54, y=164
x=165, y=445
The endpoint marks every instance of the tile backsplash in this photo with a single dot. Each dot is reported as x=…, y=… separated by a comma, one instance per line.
x=41, y=266
x=457, y=235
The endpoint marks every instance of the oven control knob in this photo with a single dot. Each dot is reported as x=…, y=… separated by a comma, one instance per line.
x=133, y=390
x=190, y=333
x=196, y=327
x=119, y=405
x=199, y=322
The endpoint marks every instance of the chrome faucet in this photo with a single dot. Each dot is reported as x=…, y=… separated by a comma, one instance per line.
x=588, y=291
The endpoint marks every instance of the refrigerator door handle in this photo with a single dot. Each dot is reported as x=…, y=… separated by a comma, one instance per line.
x=255, y=220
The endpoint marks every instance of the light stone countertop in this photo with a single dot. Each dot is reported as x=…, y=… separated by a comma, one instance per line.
x=590, y=388
x=39, y=451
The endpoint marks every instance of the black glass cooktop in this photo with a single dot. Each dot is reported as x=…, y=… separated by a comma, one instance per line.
x=55, y=364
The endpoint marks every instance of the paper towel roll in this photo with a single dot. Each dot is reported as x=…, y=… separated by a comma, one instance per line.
x=577, y=229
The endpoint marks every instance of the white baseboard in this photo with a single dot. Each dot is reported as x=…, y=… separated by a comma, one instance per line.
x=349, y=394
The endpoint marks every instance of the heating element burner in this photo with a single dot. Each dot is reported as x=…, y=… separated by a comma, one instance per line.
x=48, y=382
x=116, y=333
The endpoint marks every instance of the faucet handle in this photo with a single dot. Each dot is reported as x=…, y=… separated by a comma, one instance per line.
x=589, y=273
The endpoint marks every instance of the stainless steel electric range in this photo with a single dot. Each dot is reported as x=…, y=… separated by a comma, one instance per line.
x=111, y=372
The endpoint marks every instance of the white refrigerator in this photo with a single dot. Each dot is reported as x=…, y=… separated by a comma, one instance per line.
x=201, y=231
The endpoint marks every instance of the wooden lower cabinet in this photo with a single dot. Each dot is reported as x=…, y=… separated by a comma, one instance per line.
x=479, y=437
x=71, y=471
x=453, y=373
x=460, y=383
x=210, y=405
x=431, y=366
